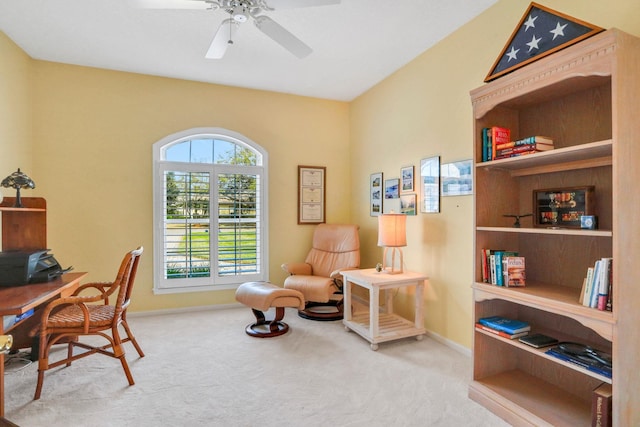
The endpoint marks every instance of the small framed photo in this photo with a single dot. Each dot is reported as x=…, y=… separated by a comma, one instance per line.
x=392, y=188
x=406, y=179
x=430, y=184
x=375, y=194
x=408, y=204
x=457, y=178
x=562, y=207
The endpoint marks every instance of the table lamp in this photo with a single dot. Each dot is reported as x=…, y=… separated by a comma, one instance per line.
x=392, y=233
x=18, y=180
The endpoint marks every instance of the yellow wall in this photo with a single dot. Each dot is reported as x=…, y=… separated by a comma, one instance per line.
x=85, y=136
x=92, y=138
x=15, y=115
x=424, y=110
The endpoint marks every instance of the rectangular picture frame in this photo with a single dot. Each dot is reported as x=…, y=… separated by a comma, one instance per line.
x=430, y=184
x=375, y=194
x=392, y=188
x=407, y=179
x=311, y=194
x=408, y=204
x=457, y=178
x=562, y=207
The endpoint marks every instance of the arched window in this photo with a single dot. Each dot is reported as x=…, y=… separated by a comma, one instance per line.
x=210, y=211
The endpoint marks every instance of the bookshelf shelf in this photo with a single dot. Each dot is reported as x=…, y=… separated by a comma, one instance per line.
x=582, y=156
x=539, y=402
x=585, y=98
x=540, y=352
x=552, y=231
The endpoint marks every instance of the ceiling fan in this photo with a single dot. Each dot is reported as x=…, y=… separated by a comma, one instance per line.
x=240, y=11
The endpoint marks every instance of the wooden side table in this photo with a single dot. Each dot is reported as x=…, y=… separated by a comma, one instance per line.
x=376, y=326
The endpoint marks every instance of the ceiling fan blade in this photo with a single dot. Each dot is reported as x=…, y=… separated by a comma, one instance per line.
x=281, y=36
x=290, y=4
x=222, y=39
x=172, y=4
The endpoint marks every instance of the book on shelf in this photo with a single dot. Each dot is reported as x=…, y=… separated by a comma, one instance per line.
x=486, y=144
x=514, y=271
x=601, y=406
x=501, y=267
x=597, y=285
x=503, y=334
x=507, y=153
x=499, y=135
x=584, y=362
x=538, y=340
x=528, y=141
x=505, y=324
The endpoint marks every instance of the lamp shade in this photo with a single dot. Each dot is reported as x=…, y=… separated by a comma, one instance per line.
x=392, y=230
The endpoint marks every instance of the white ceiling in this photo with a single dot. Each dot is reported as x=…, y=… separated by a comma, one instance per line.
x=356, y=44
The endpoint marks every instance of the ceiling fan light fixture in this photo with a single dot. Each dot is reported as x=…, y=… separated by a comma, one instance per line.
x=240, y=14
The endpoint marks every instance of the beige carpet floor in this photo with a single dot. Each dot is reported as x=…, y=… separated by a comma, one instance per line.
x=201, y=369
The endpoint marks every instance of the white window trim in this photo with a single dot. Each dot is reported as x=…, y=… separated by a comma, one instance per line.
x=158, y=198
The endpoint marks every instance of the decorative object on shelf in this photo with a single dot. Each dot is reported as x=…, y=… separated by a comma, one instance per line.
x=392, y=233
x=18, y=180
x=540, y=32
x=379, y=267
x=430, y=184
x=311, y=194
x=375, y=194
x=588, y=222
x=562, y=207
x=516, y=224
x=457, y=179
x=406, y=174
x=408, y=204
x=392, y=188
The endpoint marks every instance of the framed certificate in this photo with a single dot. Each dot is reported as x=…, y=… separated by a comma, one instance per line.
x=311, y=194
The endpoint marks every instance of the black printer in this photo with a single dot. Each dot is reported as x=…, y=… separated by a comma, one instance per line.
x=24, y=267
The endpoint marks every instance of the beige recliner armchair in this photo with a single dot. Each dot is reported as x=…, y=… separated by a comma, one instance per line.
x=335, y=248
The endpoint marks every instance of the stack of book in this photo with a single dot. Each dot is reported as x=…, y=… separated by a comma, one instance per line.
x=596, y=286
x=503, y=268
x=584, y=361
x=492, y=137
x=503, y=326
x=521, y=147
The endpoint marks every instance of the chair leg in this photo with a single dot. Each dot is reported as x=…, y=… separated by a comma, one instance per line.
x=131, y=338
x=43, y=365
x=118, y=351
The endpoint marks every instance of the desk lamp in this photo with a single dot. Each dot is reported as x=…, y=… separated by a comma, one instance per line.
x=18, y=180
x=392, y=233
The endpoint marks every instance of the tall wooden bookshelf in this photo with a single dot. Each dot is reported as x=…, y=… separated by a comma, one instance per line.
x=587, y=98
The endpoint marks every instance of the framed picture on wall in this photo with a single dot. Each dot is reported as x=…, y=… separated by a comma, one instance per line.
x=430, y=184
x=375, y=194
x=457, y=178
x=392, y=188
x=406, y=179
x=408, y=204
x=311, y=194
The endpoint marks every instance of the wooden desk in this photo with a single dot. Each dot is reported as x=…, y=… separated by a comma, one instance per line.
x=20, y=299
x=378, y=327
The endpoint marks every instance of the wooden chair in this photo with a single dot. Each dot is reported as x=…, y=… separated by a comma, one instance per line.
x=76, y=316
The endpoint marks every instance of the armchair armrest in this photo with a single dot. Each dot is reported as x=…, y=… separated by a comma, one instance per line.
x=337, y=274
x=105, y=289
x=56, y=305
x=301, y=268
